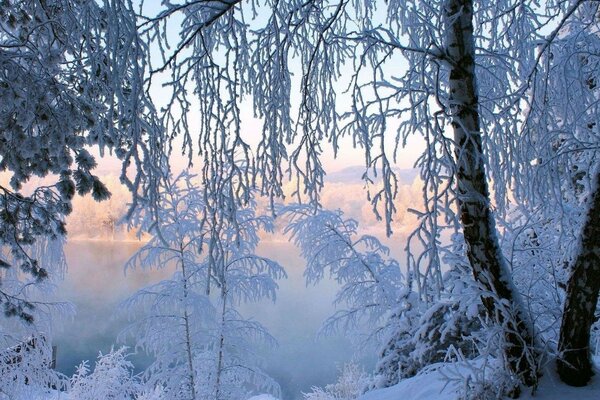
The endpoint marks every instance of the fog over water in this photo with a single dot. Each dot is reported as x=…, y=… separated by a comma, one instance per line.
x=96, y=284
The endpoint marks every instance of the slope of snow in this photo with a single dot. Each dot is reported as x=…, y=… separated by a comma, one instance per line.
x=434, y=385
x=427, y=386
x=263, y=397
x=551, y=388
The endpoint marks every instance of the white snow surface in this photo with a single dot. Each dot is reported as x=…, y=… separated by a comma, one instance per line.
x=263, y=397
x=433, y=385
x=426, y=386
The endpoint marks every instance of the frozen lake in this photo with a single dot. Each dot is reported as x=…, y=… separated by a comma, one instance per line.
x=96, y=284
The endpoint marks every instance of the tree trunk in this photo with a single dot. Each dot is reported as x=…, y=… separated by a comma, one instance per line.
x=483, y=249
x=220, y=354
x=186, y=320
x=574, y=364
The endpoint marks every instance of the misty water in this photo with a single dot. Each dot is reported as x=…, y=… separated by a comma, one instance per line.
x=96, y=284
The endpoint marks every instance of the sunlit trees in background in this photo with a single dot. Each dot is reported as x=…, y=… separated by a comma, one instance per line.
x=102, y=220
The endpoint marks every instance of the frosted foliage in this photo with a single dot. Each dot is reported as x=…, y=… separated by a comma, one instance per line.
x=228, y=52
x=558, y=160
x=540, y=272
x=560, y=147
x=371, y=281
x=26, y=341
x=423, y=334
x=62, y=89
x=156, y=393
x=111, y=379
x=349, y=386
x=201, y=345
x=25, y=369
x=28, y=297
x=211, y=58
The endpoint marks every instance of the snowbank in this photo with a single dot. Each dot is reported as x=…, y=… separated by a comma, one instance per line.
x=551, y=388
x=434, y=385
x=427, y=386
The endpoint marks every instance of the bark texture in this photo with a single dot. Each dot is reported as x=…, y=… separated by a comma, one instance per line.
x=186, y=320
x=483, y=250
x=574, y=364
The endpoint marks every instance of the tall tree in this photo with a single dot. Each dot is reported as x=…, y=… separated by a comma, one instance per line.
x=456, y=77
x=561, y=146
x=574, y=363
x=483, y=249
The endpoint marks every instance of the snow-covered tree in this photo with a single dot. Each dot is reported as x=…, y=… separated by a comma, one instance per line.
x=226, y=51
x=469, y=68
x=26, y=368
x=62, y=89
x=458, y=73
x=561, y=193
x=202, y=346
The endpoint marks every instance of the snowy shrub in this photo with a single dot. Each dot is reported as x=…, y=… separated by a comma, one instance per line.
x=25, y=370
x=422, y=334
x=156, y=393
x=481, y=379
x=349, y=386
x=111, y=379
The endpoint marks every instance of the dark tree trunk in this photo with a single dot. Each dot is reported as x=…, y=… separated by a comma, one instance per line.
x=574, y=364
x=483, y=250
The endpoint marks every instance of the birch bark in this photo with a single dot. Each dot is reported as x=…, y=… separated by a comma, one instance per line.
x=574, y=364
x=483, y=249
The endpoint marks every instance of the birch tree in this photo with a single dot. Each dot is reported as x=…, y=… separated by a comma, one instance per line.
x=461, y=92
x=561, y=145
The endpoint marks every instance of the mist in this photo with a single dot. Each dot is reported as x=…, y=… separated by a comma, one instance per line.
x=96, y=284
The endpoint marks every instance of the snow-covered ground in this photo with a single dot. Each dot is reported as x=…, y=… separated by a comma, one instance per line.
x=438, y=385
x=442, y=382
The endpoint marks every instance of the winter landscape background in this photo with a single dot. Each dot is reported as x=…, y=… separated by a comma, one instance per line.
x=303, y=358
x=303, y=199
